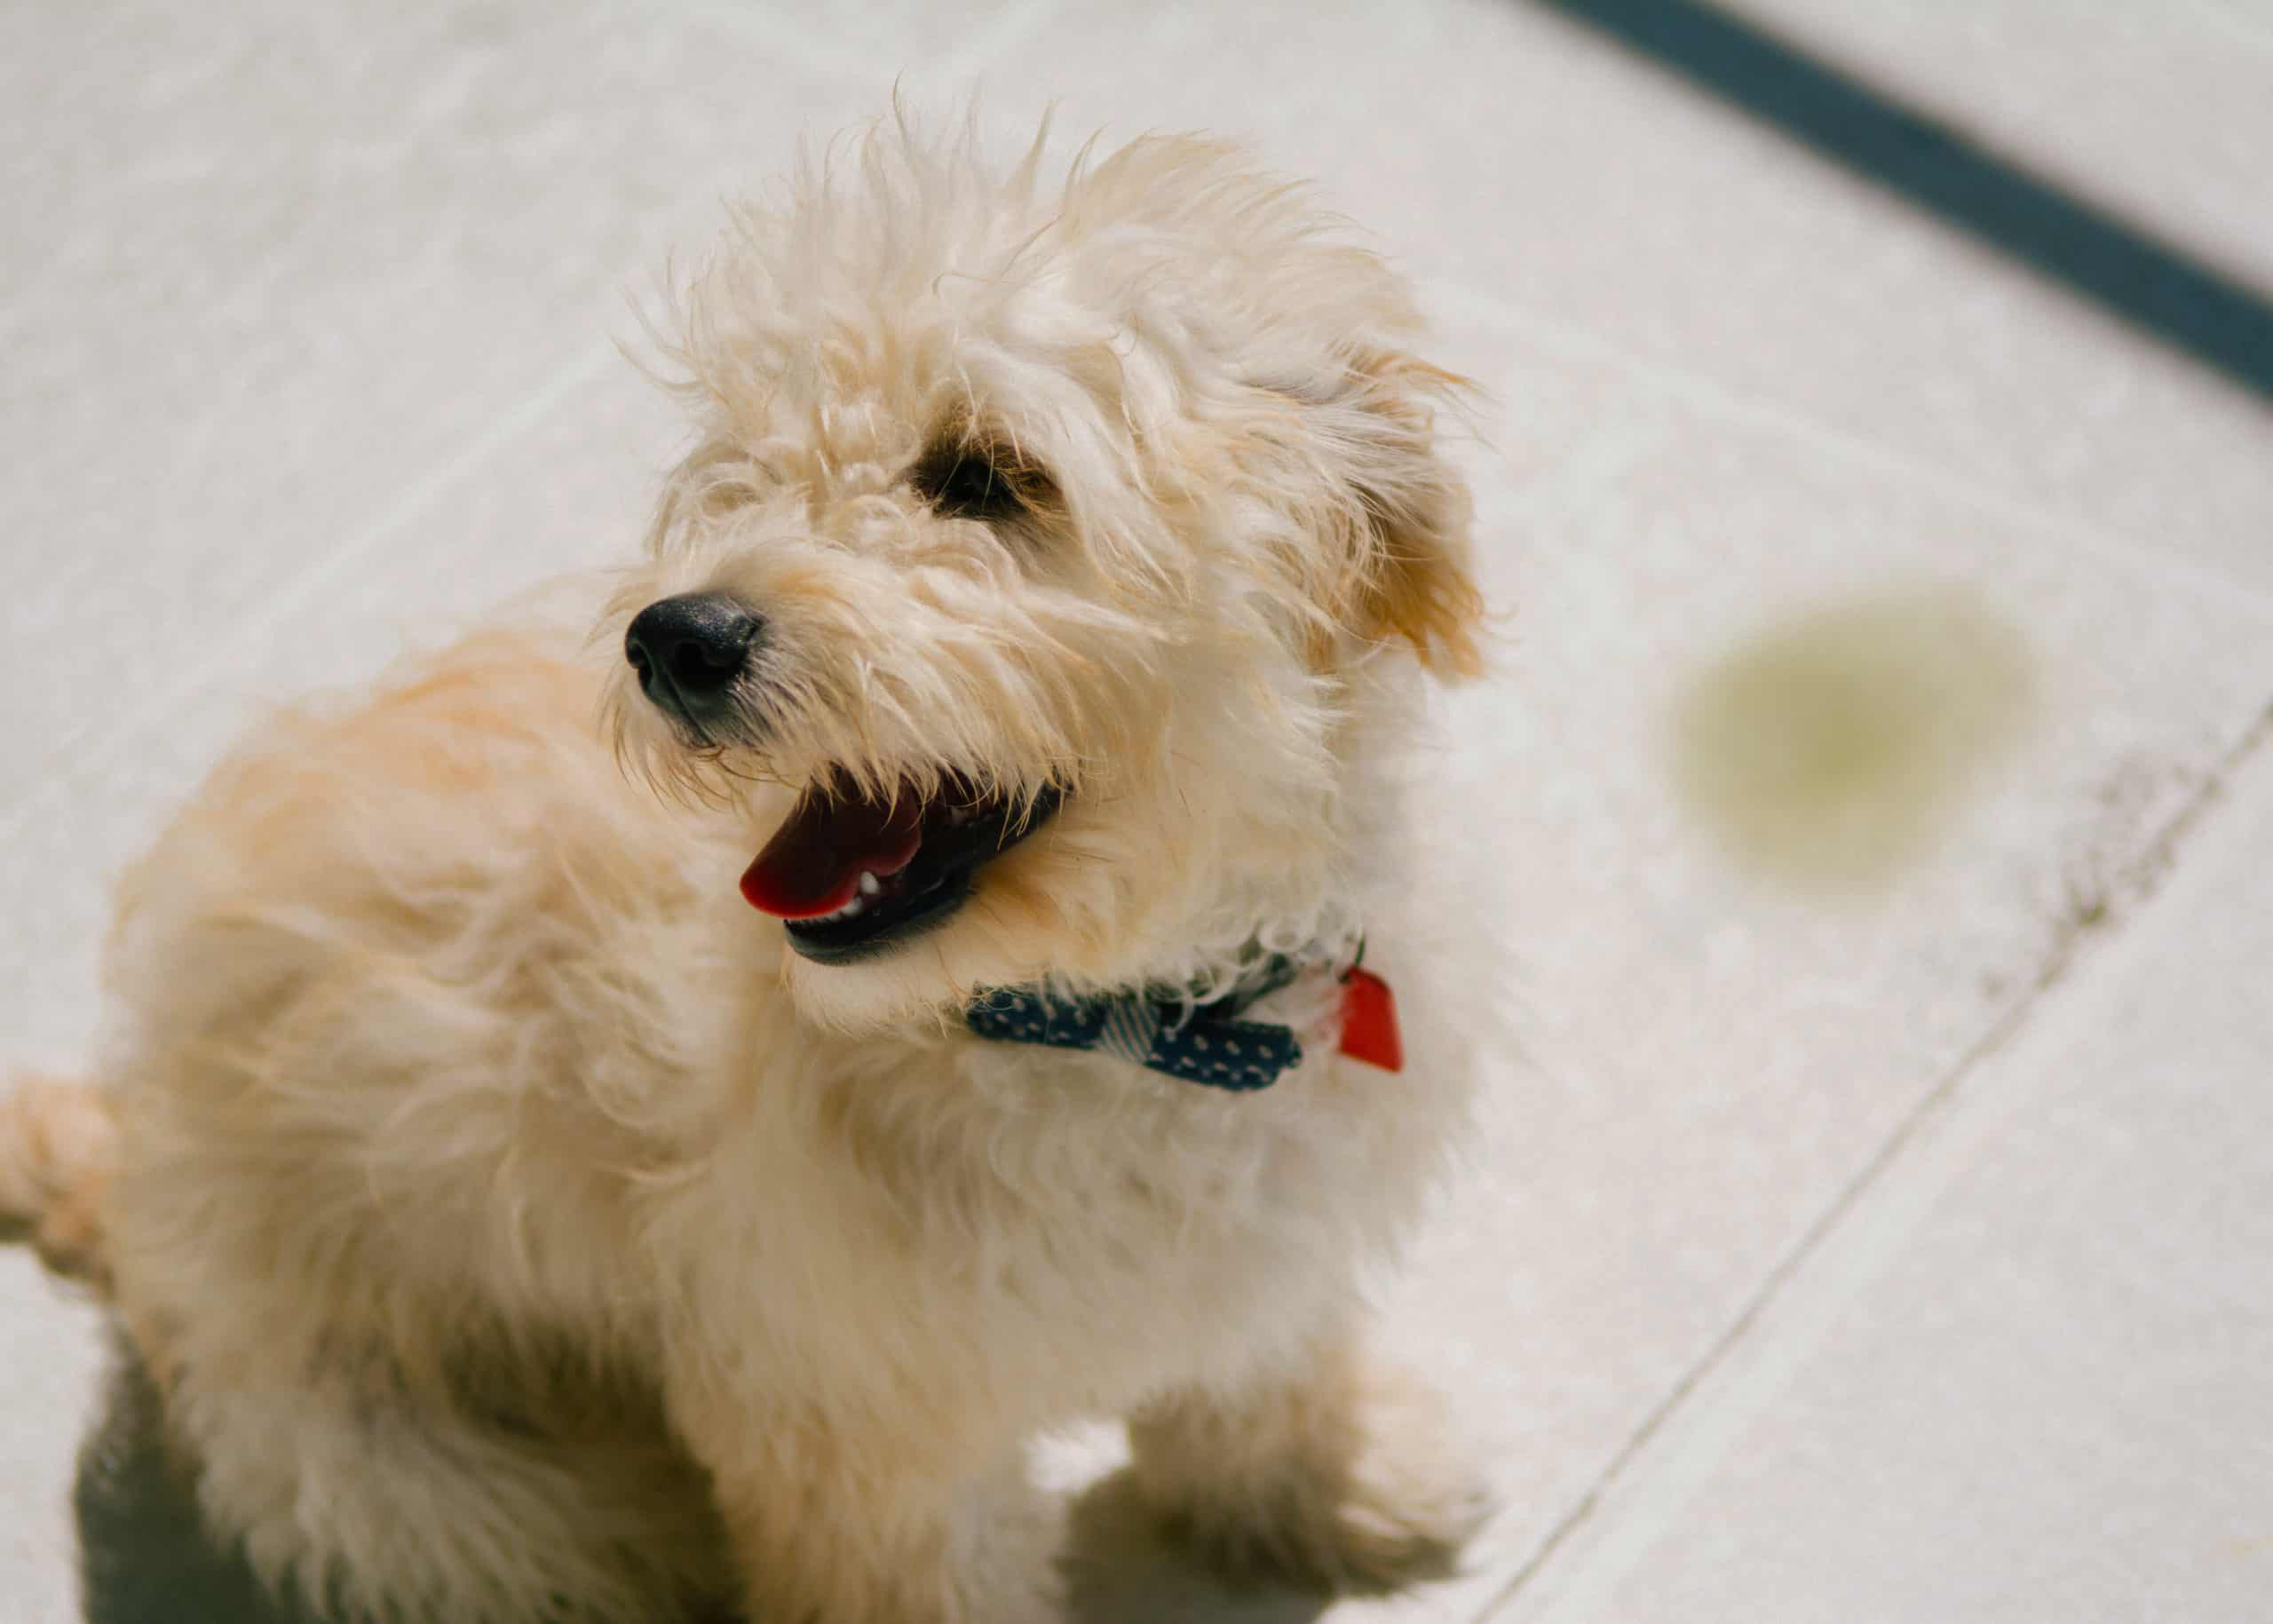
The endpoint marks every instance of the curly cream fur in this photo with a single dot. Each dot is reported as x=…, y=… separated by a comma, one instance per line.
x=518, y=1230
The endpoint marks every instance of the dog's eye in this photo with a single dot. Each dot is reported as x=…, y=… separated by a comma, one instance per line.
x=969, y=488
x=963, y=482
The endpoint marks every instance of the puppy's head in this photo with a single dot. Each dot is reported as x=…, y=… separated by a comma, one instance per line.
x=1044, y=555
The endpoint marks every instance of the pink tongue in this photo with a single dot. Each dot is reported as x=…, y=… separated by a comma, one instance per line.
x=813, y=863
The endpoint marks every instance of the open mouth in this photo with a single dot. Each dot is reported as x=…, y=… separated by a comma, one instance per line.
x=850, y=876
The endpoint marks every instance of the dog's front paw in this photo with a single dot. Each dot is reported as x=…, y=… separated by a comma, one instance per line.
x=1352, y=1479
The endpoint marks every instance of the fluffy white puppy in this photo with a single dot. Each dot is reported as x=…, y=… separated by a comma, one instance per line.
x=546, y=1190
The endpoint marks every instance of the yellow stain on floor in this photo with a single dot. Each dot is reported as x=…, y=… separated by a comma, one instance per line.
x=1829, y=751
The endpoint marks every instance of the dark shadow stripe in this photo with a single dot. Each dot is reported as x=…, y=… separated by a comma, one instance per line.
x=2157, y=287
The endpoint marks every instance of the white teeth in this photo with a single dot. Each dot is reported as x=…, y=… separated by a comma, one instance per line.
x=848, y=911
x=869, y=884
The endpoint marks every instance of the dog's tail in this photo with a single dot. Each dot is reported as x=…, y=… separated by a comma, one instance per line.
x=58, y=1146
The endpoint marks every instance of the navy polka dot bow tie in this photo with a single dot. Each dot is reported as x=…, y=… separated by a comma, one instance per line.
x=1205, y=1043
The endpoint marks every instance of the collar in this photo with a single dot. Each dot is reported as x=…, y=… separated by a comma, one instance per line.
x=1209, y=1042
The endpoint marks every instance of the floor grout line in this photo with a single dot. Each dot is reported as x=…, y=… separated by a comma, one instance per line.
x=2144, y=876
x=2134, y=556
x=197, y=678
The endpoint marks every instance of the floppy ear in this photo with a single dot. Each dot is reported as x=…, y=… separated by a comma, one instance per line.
x=1398, y=519
x=1412, y=578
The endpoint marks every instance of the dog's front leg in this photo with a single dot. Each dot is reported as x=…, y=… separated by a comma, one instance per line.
x=853, y=1516
x=1332, y=1472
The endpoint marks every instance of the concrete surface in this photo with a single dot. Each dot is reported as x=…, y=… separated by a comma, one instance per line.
x=1892, y=1251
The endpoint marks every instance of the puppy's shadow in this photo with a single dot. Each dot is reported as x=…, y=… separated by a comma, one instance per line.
x=144, y=1558
x=1121, y=1569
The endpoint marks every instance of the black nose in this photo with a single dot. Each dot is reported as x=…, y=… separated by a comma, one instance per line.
x=688, y=651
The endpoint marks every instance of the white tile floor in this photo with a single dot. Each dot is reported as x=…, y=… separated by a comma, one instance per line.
x=1900, y=1257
